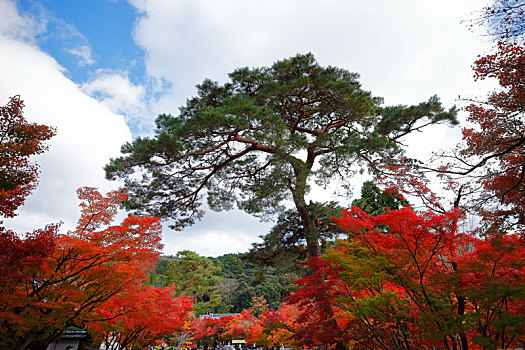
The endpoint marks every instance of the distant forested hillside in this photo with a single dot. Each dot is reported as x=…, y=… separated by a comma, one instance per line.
x=242, y=283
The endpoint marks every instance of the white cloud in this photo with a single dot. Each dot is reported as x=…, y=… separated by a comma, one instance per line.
x=19, y=27
x=219, y=233
x=88, y=133
x=115, y=91
x=405, y=51
x=84, y=53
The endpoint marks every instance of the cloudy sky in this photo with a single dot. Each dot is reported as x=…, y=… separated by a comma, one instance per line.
x=100, y=71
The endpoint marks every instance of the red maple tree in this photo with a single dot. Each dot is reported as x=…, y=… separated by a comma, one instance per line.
x=408, y=280
x=498, y=138
x=139, y=316
x=207, y=330
x=88, y=267
x=19, y=140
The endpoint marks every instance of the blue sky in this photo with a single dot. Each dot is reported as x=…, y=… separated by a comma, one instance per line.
x=104, y=28
x=102, y=70
x=90, y=38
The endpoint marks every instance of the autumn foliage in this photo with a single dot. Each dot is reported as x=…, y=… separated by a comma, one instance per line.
x=206, y=330
x=401, y=280
x=18, y=141
x=498, y=139
x=95, y=278
x=274, y=328
x=139, y=316
x=408, y=280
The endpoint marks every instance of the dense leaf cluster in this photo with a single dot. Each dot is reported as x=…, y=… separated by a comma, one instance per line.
x=232, y=281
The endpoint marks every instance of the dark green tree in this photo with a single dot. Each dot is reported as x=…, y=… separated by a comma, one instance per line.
x=285, y=244
x=243, y=280
x=156, y=277
x=262, y=139
x=375, y=202
x=197, y=277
